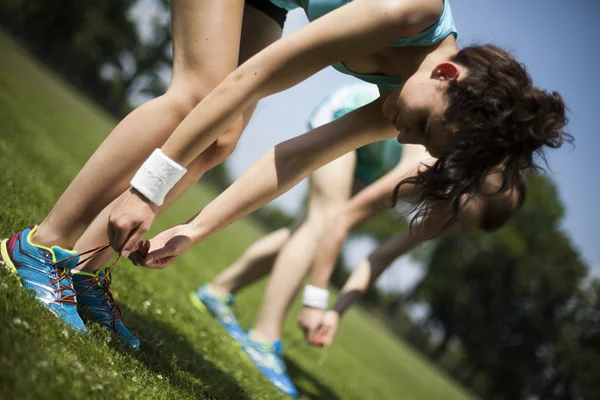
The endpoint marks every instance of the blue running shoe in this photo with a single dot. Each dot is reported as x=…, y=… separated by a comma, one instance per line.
x=220, y=308
x=96, y=303
x=40, y=269
x=267, y=356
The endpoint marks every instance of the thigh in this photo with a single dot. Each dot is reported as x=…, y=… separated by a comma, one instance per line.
x=257, y=32
x=206, y=39
x=332, y=183
x=212, y=37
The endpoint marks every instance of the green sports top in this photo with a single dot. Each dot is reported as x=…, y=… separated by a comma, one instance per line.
x=373, y=160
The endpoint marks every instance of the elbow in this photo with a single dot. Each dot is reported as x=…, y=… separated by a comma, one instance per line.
x=291, y=162
x=249, y=81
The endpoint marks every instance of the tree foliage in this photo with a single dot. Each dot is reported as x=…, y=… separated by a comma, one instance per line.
x=505, y=297
x=93, y=44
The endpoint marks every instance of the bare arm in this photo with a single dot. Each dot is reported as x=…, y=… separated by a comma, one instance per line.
x=372, y=267
x=293, y=59
x=367, y=203
x=374, y=24
x=288, y=163
x=272, y=175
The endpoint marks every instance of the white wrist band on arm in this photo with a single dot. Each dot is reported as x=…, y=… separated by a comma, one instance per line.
x=315, y=297
x=157, y=176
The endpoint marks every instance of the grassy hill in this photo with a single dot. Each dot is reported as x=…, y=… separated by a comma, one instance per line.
x=47, y=131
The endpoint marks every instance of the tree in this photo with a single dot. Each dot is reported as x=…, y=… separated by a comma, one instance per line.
x=93, y=44
x=502, y=294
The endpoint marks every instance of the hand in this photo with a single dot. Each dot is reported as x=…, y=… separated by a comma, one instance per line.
x=328, y=328
x=309, y=320
x=163, y=249
x=129, y=221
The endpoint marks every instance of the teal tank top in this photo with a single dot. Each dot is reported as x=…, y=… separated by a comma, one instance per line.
x=373, y=160
x=435, y=33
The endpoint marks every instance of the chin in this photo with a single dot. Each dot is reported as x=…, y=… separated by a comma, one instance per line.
x=407, y=139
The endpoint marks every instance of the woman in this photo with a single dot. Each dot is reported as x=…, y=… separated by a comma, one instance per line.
x=210, y=39
x=473, y=108
x=289, y=252
x=487, y=213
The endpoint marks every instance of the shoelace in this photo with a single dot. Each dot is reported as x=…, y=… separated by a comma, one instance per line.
x=65, y=273
x=105, y=289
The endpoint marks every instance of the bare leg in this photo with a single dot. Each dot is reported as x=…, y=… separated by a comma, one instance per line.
x=258, y=32
x=330, y=188
x=206, y=42
x=256, y=262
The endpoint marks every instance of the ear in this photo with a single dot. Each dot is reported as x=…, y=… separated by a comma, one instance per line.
x=446, y=71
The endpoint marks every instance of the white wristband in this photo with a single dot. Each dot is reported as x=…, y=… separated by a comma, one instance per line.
x=315, y=297
x=157, y=176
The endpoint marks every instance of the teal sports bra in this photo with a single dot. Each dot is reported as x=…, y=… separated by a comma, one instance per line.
x=435, y=33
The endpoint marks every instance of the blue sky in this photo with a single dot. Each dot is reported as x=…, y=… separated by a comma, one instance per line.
x=556, y=40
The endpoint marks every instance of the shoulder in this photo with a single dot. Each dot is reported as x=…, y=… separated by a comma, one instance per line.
x=414, y=15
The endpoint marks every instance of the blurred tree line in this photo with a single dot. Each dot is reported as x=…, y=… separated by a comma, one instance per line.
x=95, y=45
x=512, y=314
x=515, y=313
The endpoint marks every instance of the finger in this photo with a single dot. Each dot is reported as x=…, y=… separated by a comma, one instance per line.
x=161, y=263
x=133, y=241
x=144, y=249
x=168, y=250
x=163, y=257
x=119, y=237
x=110, y=232
x=137, y=259
x=314, y=335
x=326, y=336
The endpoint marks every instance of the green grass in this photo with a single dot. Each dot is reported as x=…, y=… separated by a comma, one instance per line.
x=47, y=131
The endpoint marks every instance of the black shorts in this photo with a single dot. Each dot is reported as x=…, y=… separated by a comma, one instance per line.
x=276, y=13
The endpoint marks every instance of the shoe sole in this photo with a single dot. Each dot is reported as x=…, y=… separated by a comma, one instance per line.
x=197, y=303
x=5, y=259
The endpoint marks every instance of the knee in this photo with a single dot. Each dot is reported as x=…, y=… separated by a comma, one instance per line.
x=185, y=92
x=320, y=220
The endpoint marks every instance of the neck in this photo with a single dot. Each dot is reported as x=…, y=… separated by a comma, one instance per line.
x=446, y=49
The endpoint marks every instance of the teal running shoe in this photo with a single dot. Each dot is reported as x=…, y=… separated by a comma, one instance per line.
x=41, y=270
x=96, y=303
x=220, y=308
x=267, y=355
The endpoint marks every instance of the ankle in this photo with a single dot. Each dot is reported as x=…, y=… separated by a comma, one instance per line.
x=45, y=237
x=219, y=290
x=263, y=335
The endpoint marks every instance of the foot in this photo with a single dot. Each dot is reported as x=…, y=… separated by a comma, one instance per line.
x=96, y=303
x=40, y=270
x=267, y=356
x=219, y=307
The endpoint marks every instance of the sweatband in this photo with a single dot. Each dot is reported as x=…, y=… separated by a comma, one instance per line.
x=157, y=176
x=315, y=297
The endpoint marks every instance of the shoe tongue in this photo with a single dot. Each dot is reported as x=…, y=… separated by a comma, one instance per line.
x=62, y=254
x=100, y=275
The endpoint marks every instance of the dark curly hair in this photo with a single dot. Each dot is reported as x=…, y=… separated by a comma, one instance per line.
x=498, y=118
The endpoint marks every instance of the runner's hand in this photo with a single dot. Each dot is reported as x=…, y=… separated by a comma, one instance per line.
x=129, y=221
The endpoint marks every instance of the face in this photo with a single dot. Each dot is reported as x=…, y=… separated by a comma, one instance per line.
x=417, y=107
